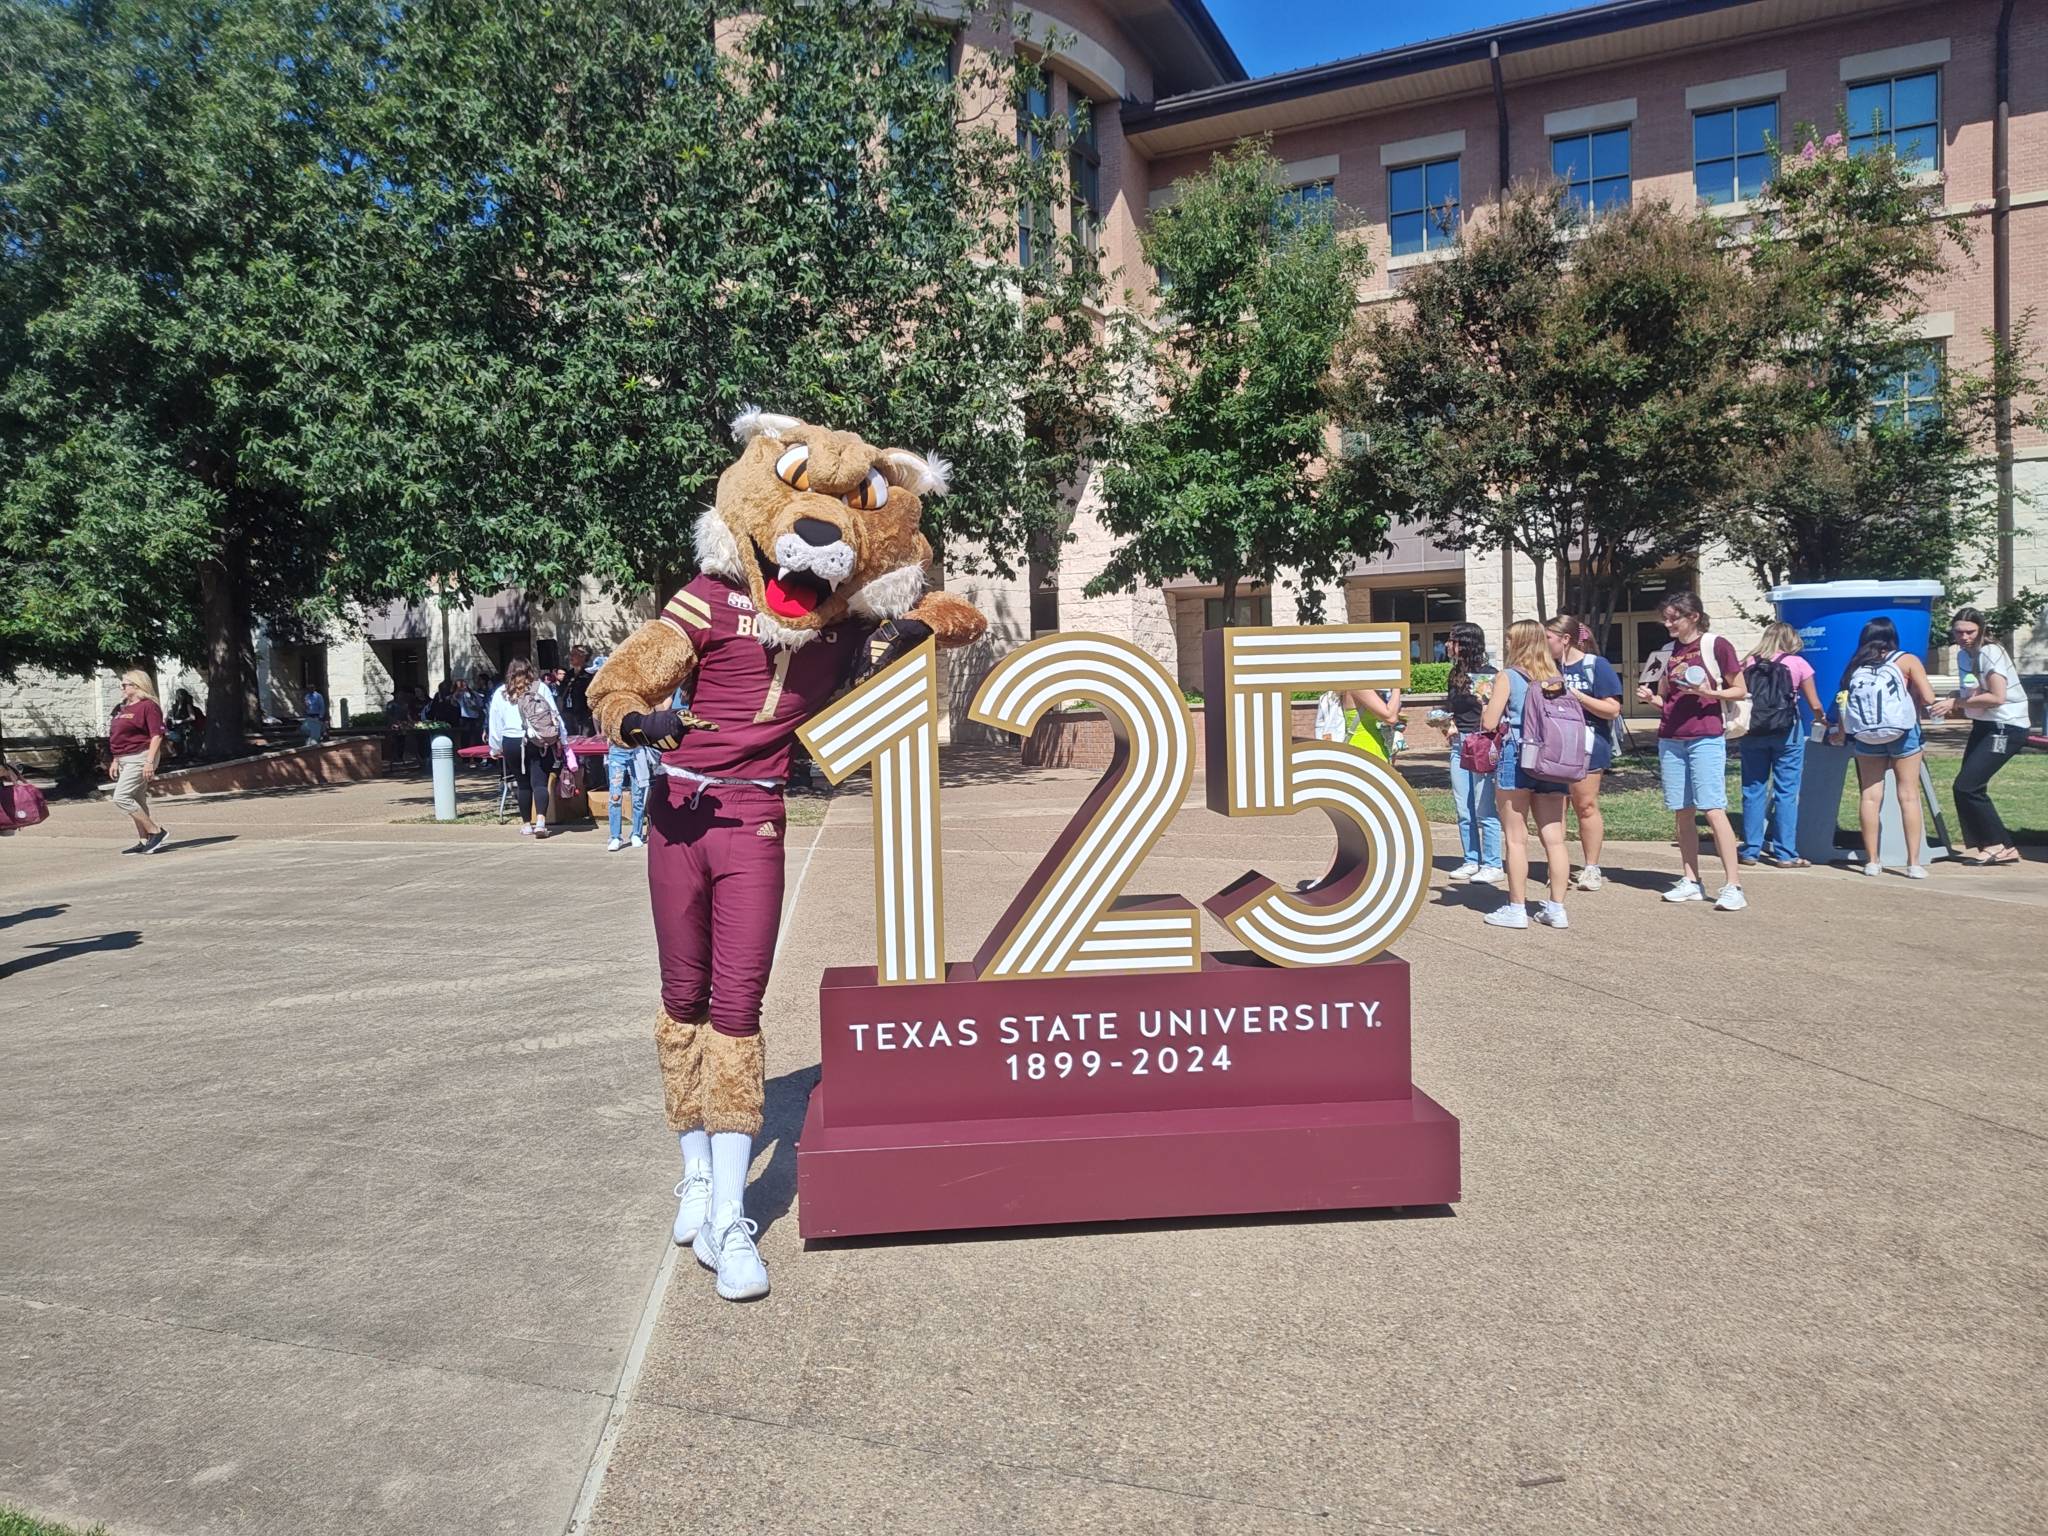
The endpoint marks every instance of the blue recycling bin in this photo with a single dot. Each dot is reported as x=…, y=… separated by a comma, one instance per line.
x=1829, y=615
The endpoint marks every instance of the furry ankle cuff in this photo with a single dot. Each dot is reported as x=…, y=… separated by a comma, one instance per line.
x=679, y=1047
x=733, y=1080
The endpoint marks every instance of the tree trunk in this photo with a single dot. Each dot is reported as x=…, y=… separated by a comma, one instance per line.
x=226, y=657
x=1230, y=599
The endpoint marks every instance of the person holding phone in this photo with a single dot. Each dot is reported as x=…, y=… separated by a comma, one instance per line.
x=1995, y=704
x=1694, y=676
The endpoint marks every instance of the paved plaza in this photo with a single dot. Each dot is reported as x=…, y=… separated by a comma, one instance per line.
x=336, y=1195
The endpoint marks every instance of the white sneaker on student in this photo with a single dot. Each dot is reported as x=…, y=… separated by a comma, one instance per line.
x=1590, y=878
x=1731, y=899
x=1463, y=872
x=639, y=841
x=1509, y=914
x=1916, y=871
x=1686, y=890
x=1873, y=868
x=1492, y=874
x=694, y=1193
x=1551, y=914
x=613, y=846
x=727, y=1246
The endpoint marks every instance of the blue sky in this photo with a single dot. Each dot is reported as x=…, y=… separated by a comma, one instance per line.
x=1316, y=31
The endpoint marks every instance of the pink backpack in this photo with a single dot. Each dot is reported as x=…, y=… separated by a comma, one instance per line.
x=1553, y=735
x=21, y=805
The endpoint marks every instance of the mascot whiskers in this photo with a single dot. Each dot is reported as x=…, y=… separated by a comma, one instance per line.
x=812, y=575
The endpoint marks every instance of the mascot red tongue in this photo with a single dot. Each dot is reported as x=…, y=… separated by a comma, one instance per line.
x=761, y=641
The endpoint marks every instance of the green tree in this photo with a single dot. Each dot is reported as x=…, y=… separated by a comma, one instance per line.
x=1572, y=391
x=1216, y=470
x=618, y=223
x=174, y=191
x=1871, y=447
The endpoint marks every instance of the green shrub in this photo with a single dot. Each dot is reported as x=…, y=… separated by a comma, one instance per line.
x=1429, y=677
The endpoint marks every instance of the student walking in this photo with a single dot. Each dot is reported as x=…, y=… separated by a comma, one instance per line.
x=135, y=740
x=1472, y=787
x=1690, y=680
x=1774, y=750
x=1883, y=691
x=1996, y=705
x=1591, y=679
x=527, y=733
x=1531, y=672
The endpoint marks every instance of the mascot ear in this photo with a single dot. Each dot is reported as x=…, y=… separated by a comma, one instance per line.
x=916, y=473
x=753, y=422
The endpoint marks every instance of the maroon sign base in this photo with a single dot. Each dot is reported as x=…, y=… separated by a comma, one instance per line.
x=1237, y=1088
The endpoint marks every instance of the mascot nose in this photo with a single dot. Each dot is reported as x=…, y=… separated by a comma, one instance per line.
x=815, y=530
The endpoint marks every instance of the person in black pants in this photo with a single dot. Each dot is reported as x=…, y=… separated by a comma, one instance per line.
x=1990, y=695
x=527, y=733
x=575, y=692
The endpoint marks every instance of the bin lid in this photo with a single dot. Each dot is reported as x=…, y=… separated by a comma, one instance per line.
x=1852, y=590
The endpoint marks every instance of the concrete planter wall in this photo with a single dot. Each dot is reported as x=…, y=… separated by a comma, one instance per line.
x=331, y=762
x=1081, y=738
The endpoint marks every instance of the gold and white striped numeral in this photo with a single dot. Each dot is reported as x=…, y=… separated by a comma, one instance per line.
x=1380, y=877
x=892, y=721
x=1070, y=917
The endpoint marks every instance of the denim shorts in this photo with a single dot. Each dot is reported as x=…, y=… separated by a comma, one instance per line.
x=1905, y=746
x=1511, y=776
x=1695, y=770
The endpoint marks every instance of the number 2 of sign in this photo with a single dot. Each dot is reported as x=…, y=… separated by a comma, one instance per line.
x=1072, y=917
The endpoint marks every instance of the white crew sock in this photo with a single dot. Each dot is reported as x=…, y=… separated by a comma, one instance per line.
x=696, y=1148
x=731, y=1155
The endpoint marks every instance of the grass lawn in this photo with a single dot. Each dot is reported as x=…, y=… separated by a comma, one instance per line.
x=14, y=1523
x=1636, y=813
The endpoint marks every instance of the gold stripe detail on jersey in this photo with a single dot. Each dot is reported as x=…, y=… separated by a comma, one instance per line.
x=774, y=696
x=690, y=608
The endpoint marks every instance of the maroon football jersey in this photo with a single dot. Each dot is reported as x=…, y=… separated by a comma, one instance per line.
x=757, y=696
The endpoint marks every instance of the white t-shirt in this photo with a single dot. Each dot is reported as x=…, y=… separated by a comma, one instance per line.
x=1977, y=672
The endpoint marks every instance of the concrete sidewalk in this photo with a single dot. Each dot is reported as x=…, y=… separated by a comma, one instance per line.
x=1750, y=1242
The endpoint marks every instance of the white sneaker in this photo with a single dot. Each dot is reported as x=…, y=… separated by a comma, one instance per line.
x=1463, y=872
x=1551, y=914
x=1590, y=878
x=1873, y=868
x=1509, y=914
x=1731, y=899
x=1686, y=890
x=731, y=1252
x=1916, y=871
x=526, y=829
x=639, y=841
x=1492, y=874
x=695, y=1194
x=613, y=846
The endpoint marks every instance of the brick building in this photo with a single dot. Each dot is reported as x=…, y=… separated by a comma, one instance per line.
x=1635, y=98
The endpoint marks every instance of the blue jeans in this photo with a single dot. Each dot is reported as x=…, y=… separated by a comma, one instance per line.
x=1478, y=823
x=1771, y=767
x=618, y=763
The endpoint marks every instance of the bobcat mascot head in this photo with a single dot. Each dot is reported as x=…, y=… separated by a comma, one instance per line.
x=820, y=526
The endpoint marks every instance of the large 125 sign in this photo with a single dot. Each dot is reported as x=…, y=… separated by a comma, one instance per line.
x=1072, y=916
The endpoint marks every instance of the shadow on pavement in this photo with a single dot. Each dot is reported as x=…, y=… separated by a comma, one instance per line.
x=64, y=949
x=773, y=1190
x=31, y=914
x=1156, y=1224
x=180, y=844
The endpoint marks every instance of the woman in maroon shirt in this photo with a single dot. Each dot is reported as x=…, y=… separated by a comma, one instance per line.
x=135, y=739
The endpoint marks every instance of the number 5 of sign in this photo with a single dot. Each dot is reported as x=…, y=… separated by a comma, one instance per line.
x=1071, y=916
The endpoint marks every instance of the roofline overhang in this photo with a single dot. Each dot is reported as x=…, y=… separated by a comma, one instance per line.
x=1196, y=15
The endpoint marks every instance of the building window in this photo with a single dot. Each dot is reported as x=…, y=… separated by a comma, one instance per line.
x=1034, y=220
x=1909, y=397
x=1422, y=206
x=1216, y=614
x=1084, y=168
x=1733, y=152
x=1310, y=200
x=1593, y=168
x=1429, y=613
x=1904, y=112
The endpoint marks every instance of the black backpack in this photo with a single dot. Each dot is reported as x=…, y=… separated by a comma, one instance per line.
x=1773, y=706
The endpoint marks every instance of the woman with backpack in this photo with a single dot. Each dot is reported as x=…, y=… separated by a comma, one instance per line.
x=1591, y=679
x=1532, y=682
x=1996, y=706
x=1883, y=691
x=527, y=734
x=1693, y=680
x=1774, y=750
x=1472, y=758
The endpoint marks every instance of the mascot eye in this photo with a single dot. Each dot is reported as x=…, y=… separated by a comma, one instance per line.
x=872, y=495
x=793, y=468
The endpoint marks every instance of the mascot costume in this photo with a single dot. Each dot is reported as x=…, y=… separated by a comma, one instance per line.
x=812, y=576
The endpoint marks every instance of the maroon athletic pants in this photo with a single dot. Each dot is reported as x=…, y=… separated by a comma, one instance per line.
x=715, y=872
